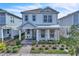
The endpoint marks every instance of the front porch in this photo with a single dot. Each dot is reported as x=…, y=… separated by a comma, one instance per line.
x=39, y=32
x=42, y=34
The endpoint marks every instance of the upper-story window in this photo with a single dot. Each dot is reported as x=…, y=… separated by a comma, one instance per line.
x=34, y=17
x=49, y=18
x=12, y=19
x=26, y=18
x=45, y=18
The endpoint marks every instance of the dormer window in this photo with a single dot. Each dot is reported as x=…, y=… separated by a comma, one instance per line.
x=49, y=18
x=26, y=18
x=45, y=18
x=34, y=17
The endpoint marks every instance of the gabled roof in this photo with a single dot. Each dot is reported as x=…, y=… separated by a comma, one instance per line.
x=69, y=15
x=4, y=11
x=40, y=10
x=20, y=27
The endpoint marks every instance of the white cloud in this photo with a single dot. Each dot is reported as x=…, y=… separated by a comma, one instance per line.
x=17, y=9
x=68, y=8
x=34, y=6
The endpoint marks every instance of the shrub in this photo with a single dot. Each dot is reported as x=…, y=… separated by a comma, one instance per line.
x=46, y=48
x=66, y=47
x=14, y=50
x=54, y=47
x=42, y=42
x=62, y=45
x=9, y=49
x=19, y=46
x=43, y=45
x=49, y=45
x=33, y=48
x=61, y=48
x=36, y=45
x=2, y=46
x=18, y=42
x=49, y=42
x=33, y=42
x=40, y=48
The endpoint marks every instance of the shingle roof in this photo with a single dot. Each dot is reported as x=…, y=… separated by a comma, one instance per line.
x=40, y=10
x=4, y=11
x=69, y=15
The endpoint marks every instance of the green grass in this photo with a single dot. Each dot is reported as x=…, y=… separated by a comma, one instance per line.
x=56, y=52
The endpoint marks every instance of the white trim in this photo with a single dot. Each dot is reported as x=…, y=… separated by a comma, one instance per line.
x=19, y=34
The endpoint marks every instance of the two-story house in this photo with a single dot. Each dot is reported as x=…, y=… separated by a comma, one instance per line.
x=8, y=23
x=67, y=21
x=40, y=24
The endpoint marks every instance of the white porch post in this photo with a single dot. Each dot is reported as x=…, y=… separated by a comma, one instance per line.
x=31, y=32
x=12, y=34
x=19, y=34
x=2, y=35
x=56, y=34
x=25, y=34
x=37, y=35
x=48, y=34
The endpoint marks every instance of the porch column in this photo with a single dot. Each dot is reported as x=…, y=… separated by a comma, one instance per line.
x=2, y=35
x=48, y=34
x=31, y=33
x=56, y=34
x=37, y=35
x=19, y=34
x=25, y=34
x=12, y=34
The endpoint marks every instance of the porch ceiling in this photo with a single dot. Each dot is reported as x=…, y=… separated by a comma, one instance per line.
x=50, y=27
x=9, y=27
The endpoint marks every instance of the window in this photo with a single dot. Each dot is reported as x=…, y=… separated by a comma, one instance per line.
x=7, y=31
x=34, y=17
x=51, y=33
x=42, y=33
x=49, y=18
x=28, y=31
x=12, y=19
x=26, y=18
x=45, y=18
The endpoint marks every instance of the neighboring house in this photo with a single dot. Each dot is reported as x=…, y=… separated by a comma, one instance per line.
x=40, y=24
x=8, y=23
x=67, y=21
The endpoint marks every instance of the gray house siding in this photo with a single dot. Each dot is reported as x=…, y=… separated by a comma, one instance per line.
x=76, y=21
x=2, y=19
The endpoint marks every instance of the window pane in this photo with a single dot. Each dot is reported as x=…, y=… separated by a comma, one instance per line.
x=49, y=18
x=42, y=33
x=51, y=33
x=45, y=18
x=26, y=18
x=34, y=17
x=7, y=31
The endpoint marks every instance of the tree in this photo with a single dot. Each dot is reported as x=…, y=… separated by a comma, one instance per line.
x=74, y=35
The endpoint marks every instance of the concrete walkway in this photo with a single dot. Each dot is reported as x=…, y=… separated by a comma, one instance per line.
x=25, y=49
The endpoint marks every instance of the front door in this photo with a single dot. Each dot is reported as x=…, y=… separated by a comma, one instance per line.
x=28, y=34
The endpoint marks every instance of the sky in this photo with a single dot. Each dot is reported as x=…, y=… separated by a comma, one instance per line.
x=63, y=8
